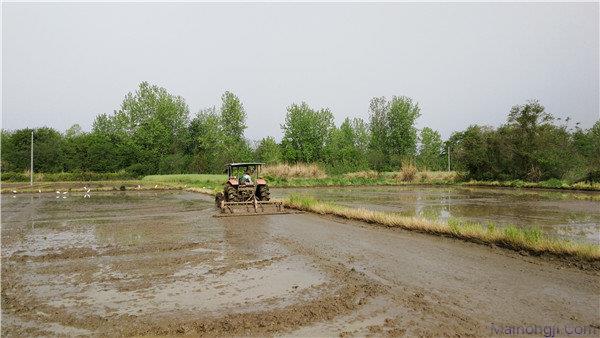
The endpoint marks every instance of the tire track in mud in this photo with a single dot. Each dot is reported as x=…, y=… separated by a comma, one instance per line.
x=422, y=314
x=81, y=252
x=344, y=291
x=351, y=291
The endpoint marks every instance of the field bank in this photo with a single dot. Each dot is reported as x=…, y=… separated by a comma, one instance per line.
x=567, y=215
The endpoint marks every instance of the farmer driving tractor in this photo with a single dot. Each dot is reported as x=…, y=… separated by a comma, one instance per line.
x=246, y=178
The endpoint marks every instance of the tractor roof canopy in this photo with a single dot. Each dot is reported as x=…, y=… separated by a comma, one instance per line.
x=231, y=167
x=249, y=164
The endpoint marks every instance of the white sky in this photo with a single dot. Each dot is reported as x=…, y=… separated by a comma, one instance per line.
x=464, y=63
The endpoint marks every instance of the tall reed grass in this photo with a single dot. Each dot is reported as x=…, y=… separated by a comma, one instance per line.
x=408, y=172
x=298, y=170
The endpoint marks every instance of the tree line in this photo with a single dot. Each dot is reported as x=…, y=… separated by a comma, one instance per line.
x=153, y=132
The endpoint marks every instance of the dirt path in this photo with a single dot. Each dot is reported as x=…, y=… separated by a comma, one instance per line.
x=159, y=264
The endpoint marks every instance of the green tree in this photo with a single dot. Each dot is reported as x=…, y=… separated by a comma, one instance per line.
x=593, y=153
x=152, y=122
x=306, y=132
x=528, y=147
x=74, y=131
x=111, y=153
x=6, y=150
x=430, y=150
x=379, y=131
x=233, y=117
x=344, y=154
x=235, y=148
x=47, y=150
x=587, y=143
x=401, y=120
x=74, y=149
x=471, y=149
x=207, y=142
x=393, y=131
x=268, y=151
x=526, y=123
x=362, y=136
x=105, y=124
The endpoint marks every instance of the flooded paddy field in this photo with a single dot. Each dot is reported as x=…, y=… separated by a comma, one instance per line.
x=565, y=214
x=158, y=263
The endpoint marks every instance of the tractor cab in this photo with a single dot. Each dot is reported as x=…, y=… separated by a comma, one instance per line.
x=245, y=174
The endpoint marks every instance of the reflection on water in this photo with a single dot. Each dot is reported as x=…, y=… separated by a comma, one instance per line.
x=557, y=213
x=41, y=222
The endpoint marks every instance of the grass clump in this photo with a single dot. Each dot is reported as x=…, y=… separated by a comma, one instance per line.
x=530, y=240
x=440, y=176
x=408, y=172
x=368, y=174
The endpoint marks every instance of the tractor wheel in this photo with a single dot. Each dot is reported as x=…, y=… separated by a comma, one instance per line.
x=231, y=194
x=219, y=197
x=262, y=193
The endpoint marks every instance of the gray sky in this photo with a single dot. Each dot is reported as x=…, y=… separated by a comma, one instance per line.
x=464, y=63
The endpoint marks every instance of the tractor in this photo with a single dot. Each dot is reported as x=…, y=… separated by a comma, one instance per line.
x=245, y=192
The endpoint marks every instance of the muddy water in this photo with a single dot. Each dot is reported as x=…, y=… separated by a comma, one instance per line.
x=143, y=254
x=574, y=216
x=159, y=264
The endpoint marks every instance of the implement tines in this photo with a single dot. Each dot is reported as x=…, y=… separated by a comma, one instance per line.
x=252, y=208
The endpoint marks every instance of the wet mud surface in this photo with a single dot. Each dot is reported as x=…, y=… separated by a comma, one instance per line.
x=568, y=215
x=158, y=263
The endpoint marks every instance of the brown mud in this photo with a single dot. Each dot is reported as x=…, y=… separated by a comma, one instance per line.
x=158, y=263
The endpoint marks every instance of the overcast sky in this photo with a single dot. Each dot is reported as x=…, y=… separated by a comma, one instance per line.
x=464, y=63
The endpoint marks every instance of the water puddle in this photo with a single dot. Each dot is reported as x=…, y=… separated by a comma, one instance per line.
x=149, y=253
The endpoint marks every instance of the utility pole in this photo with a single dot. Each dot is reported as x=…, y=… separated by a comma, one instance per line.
x=448, y=151
x=31, y=166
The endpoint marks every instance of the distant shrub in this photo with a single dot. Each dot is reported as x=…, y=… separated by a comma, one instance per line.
x=593, y=176
x=575, y=175
x=174, y=164
x=137, y=170
x=14, y=177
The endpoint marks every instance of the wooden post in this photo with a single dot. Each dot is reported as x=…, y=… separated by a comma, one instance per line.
x=31, y=164
x=448, y=151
